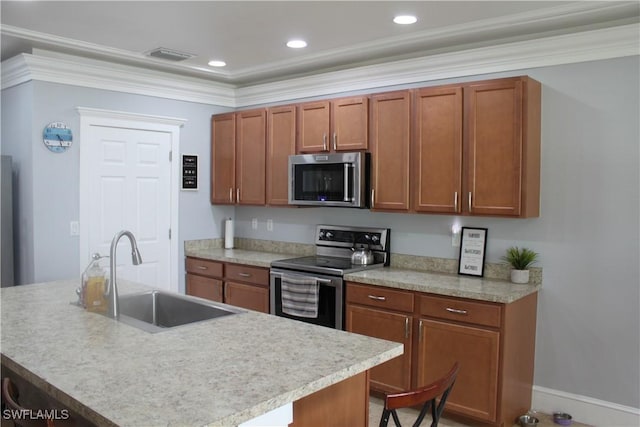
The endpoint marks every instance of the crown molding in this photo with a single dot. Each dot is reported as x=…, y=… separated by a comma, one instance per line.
x=77, y=71
x=591, y=45
x=556, y=50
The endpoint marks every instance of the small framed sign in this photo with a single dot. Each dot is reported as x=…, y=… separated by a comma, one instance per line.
x=189, y=172
x=472, y=251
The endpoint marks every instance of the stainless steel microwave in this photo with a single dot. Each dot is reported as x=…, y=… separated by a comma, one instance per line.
x=340, y=179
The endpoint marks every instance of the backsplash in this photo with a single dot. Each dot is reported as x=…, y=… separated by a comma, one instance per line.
x=410, y=262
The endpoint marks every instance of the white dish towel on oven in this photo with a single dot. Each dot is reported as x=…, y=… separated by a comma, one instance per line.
x=299, y=296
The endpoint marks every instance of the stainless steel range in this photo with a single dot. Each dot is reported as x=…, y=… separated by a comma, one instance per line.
x=311, y=288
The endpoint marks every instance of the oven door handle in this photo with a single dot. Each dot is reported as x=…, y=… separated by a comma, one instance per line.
x=320, y=280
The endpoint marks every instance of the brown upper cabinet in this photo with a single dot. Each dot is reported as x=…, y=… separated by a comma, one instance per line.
x=223, y=158
x=333, y=125
x=390, y=138
x=466, y=149
x=502, y=148
x=281, y=142
x=476, y=148
x=238, y=149
x=437, y=150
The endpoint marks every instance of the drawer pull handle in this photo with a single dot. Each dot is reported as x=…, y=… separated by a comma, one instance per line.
x=456, y=311
x=377, y=298
x=244, y=274
x=406, y=328
x=201, y=267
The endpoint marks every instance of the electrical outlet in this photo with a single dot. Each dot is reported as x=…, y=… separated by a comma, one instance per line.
x=254, y=223
x=455, y=237
x=269, y=225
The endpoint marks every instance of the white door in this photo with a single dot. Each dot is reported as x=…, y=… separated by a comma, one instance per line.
x=130, y=189
x=126, y=183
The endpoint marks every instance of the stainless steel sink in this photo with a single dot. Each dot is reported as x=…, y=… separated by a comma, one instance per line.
x=156, y=311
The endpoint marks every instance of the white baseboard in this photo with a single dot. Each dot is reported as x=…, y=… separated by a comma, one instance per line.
x=585, y=409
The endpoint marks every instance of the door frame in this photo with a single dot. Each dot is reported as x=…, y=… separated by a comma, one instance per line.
x=110, y=118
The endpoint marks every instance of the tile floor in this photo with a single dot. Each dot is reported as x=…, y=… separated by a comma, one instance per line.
x=408, y=417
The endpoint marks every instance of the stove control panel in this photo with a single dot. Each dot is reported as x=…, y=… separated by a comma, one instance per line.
x=349, y=237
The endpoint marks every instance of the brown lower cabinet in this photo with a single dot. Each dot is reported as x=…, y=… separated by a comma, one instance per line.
x=234, y=284
x=343, y=404
x=494, y=343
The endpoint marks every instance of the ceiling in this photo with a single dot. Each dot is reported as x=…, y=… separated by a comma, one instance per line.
x=250, y=36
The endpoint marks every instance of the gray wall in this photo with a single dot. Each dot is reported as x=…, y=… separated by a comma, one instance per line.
x=587, y=340
x=588, y=336
x=48, y=182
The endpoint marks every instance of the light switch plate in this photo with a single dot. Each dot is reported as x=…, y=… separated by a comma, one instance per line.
x=269, y=225
x=254, y=223
x=74, y=228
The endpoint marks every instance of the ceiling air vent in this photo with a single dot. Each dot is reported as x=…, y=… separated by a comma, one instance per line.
x=169, y=54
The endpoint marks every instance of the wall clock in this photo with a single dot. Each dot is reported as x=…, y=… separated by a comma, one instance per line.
x=57, y=137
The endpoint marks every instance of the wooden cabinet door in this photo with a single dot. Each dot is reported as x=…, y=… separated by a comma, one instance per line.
x=493, y=147
x=313, y=122
x=350, y=124
x=223, y=159
x=252, y=297
x=394, y=375
x=281, y=143
x=204, y=287
x=437, y=150
x=251, y=152
x=441, y=344
x=390, y=139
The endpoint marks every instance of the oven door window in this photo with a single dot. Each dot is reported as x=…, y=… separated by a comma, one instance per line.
x=323, y=182
x=326, y=306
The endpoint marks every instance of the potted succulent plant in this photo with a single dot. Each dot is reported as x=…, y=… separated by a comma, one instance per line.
x=520, y=261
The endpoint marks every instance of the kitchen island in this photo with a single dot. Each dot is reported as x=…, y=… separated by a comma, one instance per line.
x=220, y=372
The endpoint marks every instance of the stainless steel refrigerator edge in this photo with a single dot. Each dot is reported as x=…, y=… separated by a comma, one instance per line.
x=6, y=222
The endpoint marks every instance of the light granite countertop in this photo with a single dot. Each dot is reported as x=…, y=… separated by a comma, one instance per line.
x=444, y=284
x=220, y=372
x=238, y=256
x=493, y=290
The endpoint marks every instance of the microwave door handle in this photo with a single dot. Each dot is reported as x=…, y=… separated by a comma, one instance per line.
x=347, y=166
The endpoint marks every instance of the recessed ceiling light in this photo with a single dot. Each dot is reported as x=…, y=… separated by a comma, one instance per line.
x=405, y=19
x=217, y=63
x=296, y=44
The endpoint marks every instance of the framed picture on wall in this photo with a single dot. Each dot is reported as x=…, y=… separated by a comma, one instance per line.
x=473, y=247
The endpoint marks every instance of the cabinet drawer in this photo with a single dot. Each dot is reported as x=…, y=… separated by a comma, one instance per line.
x=243, y=273
x=204, y=267
x=375, y=296
x=461, y=310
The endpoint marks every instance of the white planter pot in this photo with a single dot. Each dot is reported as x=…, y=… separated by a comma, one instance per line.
x=520, y=276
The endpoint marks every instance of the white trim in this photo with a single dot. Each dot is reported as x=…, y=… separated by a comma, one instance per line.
x=593, y=45
x=563, y=49
x=96, y=117
x=584, y=409
x=77, y=71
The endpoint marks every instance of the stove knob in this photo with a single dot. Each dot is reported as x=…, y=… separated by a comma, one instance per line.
x=328, y=234
x=375, y=239
x=321, y=234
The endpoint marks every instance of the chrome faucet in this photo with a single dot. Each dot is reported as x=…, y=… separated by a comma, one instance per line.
x=112, y=288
